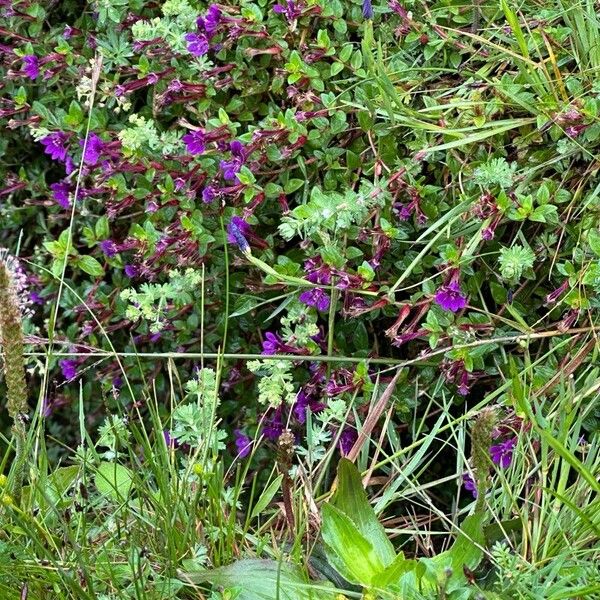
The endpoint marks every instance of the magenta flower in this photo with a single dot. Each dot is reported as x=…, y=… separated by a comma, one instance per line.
x=60, y=192
x=450, y=297
x=93, y=149
x=195, y=142
x=109, y=248
x=502, y=453
x=55, y=145
x=197, y=44
x=31, y=66
x=243, y=443
x=316, y=298
x=236, y=233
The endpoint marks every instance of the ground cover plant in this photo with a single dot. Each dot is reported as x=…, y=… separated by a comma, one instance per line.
x=298, y=299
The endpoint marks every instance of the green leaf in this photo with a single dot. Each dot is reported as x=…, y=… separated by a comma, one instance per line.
x=259, y=580
x=292, y=185
x=352, y=555
x=266, y=497
x=351, y=499
x=395, y=572
x=90, y=265
x=101, y=228
x=594, y=241
x=113, y=481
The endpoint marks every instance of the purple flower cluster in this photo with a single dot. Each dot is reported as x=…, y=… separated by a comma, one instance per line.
x=198, y=43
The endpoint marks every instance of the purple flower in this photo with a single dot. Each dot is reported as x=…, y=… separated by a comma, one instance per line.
x=502, y=453
x=273, y=428
x=197, y=44
x=131, y=271
x=450, y=297
x=93, y=149
x=54, y=145
x=35, y=298
x=469, y=484
x=271, y=343
x=316, y=298
x=31, y=66
x=487, y=234
x=170, y=441
x=209, y=193
x=68, y=368
x=210, y=21
x=367, y=9
x=243, y=443
x=69, y=166
x=195, y=142
x=347, y=439
x=291, y=10
x=236, y=232
x=60, y=192
x=304, y=402
x=230, y=168
x=109, y=248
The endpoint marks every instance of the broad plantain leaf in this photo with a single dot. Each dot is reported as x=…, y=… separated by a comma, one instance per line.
x=350, y=553
x=351, y=499
x=257, y=579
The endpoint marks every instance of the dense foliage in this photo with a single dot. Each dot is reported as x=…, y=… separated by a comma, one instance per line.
x=255, y=237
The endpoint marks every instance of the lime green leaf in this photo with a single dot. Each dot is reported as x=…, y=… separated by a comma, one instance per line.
x=90, y=265
x=351, y=554
x=114, y=480
x=351, y=499
x=594, y=241
x=266, y=497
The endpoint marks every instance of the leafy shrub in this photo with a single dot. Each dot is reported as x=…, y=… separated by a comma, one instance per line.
x=280, y=204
